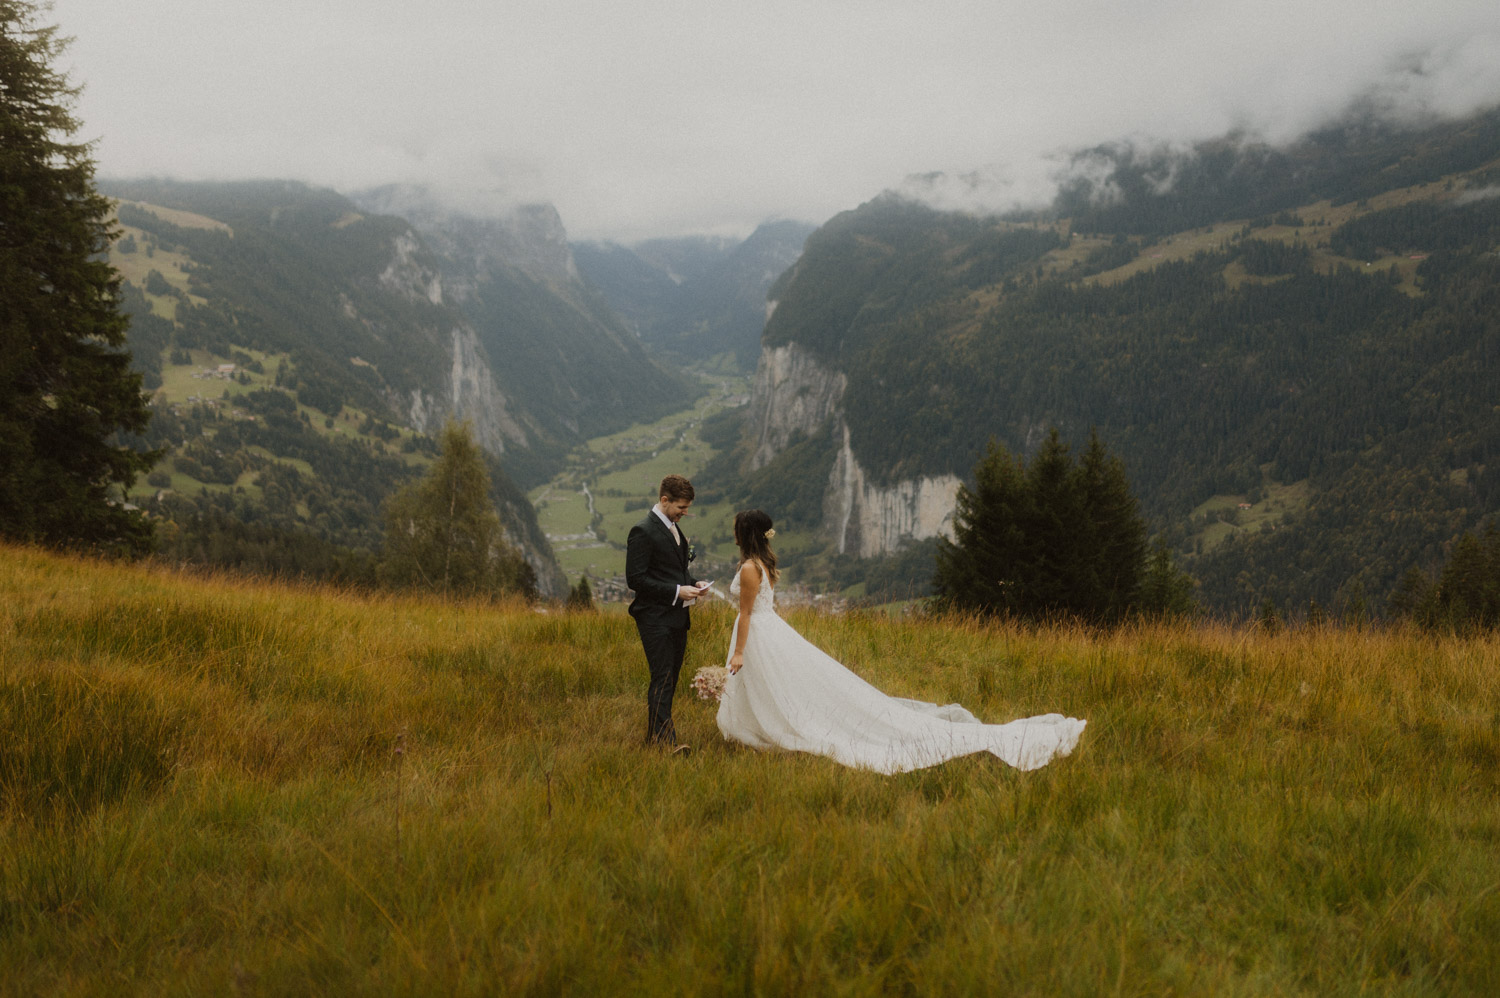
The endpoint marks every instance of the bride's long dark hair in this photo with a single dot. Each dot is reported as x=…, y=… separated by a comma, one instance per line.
x=750, y=529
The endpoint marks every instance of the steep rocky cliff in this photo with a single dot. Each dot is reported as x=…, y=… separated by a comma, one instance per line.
x=869, y=519
x=563, y=363
x=798, y=396
x=794, y=394
x=465, y=386
x=361, y=310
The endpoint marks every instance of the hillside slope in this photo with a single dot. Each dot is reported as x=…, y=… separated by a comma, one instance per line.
x=1327, y=365
x=555, y=347
x=343, y=354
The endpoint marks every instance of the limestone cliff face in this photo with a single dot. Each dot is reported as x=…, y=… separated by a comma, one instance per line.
x=408, y=275
x=532, y=238
x=796, y=394
x=793, y=394
x=469, y=393
x=465, y=387
x=870, y=520
x=562, y=364
x=527, y=237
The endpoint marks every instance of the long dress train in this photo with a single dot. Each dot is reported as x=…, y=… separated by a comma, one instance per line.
x=789, y=694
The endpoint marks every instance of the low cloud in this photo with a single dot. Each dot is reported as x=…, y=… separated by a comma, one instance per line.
x=1478, y=194
x=669, y=116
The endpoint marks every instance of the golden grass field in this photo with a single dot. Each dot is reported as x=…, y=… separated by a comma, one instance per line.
x=215, y=786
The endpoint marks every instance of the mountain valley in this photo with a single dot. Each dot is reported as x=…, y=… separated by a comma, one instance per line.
x=1293, y=350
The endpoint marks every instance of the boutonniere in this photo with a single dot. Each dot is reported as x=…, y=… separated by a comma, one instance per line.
x=692, y=552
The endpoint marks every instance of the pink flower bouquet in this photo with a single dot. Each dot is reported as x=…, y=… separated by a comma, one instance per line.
x=708, y=682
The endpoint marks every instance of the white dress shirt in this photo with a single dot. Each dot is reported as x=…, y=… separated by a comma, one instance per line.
x=676, y=536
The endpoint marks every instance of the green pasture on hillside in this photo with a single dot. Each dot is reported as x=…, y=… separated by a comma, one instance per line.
x=192, y=384
x=1274, y=504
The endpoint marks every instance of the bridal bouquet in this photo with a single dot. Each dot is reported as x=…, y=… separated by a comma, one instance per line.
x=708, y=682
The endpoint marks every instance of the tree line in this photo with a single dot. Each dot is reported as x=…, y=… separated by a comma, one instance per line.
x=1204, y=385
x=1056, y=538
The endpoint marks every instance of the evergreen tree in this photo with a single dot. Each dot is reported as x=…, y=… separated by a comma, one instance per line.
x=979, y=569
x=1049, y=539
x=1468, y=589
x=1414, y=599
x=1166, y=591
x=1060, y=578
x=1115, y=539
x=443, y=533
x=66, y=388
x=1464, y=595
x=581, y=596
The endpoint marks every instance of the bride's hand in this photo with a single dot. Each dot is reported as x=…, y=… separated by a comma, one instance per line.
x=736, y=663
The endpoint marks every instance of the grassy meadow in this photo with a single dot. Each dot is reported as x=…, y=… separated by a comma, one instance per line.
x=209, y=785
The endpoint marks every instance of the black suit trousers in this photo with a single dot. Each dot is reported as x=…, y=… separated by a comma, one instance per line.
x=665, y=648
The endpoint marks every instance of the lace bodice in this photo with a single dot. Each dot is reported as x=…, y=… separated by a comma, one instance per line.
x=765, y=598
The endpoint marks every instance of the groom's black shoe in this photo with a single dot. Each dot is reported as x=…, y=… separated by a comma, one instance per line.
x=682, y=750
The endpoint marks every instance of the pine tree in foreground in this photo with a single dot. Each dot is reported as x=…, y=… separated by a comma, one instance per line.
x=1055, y=538
x=1465, y=595
x=443, y=533
x=66, y=388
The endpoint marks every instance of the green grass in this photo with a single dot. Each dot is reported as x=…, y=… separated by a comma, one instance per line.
x=136, y=268
x=1276, y=502
x=179, y=382
x=215, y=786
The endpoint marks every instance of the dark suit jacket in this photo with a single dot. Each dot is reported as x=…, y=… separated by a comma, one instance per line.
x=655, y=565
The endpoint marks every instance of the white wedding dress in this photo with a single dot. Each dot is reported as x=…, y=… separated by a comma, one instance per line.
x=789, y=694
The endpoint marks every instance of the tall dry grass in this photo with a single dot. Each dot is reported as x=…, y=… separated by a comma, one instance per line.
x=211, y=785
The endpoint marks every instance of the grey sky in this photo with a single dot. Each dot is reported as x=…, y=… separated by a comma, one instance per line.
x=660, y=117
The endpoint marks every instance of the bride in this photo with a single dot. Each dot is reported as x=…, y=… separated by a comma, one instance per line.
x=783, y=692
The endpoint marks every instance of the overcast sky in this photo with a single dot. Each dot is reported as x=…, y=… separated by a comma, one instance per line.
x=659, y=117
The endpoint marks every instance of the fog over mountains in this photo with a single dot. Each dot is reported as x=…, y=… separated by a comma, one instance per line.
x=1280, y=340
x=1293, y=348
x=665, y=119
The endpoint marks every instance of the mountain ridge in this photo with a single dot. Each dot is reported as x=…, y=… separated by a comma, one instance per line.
x=348, y=311
x=1226, y=359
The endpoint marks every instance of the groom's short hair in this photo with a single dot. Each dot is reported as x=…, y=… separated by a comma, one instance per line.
x=676, y=488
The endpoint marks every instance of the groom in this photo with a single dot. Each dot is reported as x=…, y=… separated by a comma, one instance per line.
x=656, y=567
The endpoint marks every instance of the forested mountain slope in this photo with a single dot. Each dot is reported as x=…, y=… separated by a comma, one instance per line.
x=351, y=334
x=446, y=313
x=555, y=346
x=1329, y=363
x=696, y=297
